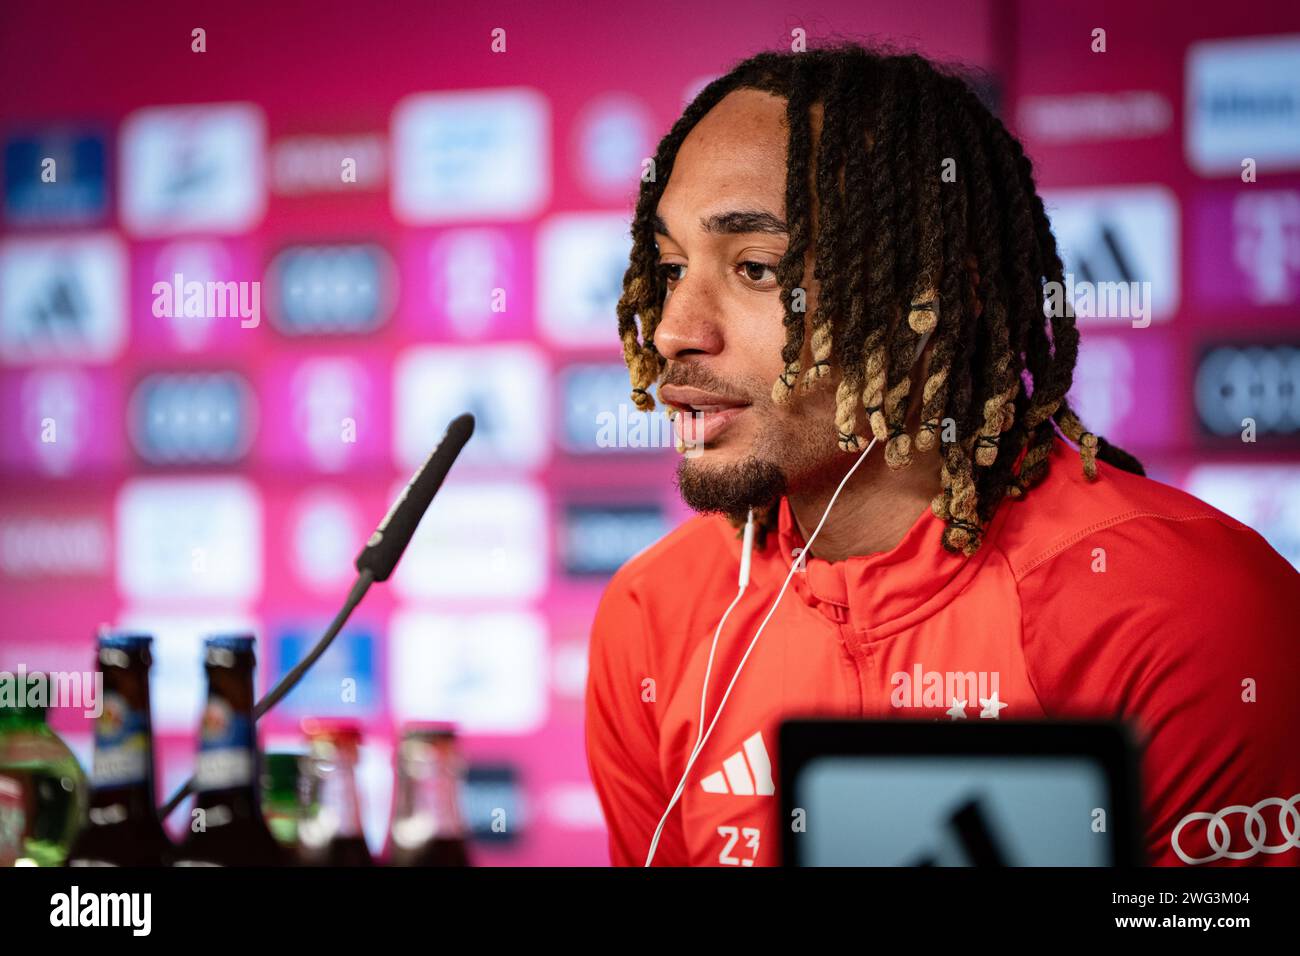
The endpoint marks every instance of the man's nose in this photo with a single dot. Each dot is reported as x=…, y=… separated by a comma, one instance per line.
x=690, y=322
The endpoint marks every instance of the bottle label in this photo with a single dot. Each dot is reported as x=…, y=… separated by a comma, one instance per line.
x=121, y=744
x=226, y=749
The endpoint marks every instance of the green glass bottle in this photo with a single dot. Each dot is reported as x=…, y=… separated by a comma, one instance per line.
x=282, y=804
x=43, y=789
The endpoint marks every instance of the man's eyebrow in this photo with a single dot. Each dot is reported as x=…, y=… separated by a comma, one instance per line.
x=734, y=222
x=745, y=220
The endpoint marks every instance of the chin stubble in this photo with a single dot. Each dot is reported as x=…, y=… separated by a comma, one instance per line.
x=730, y=490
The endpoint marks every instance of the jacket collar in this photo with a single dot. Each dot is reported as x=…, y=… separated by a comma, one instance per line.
x=889, y=590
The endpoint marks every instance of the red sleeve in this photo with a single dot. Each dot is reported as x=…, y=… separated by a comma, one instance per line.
x=622, y=734
x=1189, y=634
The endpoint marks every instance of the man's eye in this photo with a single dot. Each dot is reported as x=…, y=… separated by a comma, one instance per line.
x=671, y=272
x=758, y=272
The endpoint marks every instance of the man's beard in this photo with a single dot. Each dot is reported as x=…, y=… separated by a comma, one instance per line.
x=730, y=490
x=756, y=481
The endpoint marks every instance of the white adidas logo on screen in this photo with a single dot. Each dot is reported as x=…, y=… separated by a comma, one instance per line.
x=746, y=773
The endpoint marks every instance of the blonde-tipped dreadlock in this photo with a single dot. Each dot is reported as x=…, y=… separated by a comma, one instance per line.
x=963, y=258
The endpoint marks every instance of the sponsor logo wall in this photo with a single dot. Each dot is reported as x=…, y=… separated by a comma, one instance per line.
x=1143, y=156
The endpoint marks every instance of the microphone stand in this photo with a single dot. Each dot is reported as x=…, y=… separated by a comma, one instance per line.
x=286, y=683
x=375, y=562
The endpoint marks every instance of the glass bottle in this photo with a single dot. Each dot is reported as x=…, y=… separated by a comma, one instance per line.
x=42, y=786
x=331, y=834
x=122, y=827
x=226, y=824
x=427, y=827
x=282, y=800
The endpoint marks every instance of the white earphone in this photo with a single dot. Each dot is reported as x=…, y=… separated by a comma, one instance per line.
x=747, y=548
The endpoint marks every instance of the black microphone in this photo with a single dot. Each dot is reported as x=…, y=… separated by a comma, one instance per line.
x=375, y=562
x=390, y=539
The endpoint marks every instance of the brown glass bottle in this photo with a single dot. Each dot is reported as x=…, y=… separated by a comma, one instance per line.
x=226, y=827
x=427, y=828
x=122, y=826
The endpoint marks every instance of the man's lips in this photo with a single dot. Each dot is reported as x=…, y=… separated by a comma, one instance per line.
x=704, y=414
x=691, y=399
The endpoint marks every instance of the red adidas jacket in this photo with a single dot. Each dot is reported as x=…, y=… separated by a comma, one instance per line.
x=1189, y=634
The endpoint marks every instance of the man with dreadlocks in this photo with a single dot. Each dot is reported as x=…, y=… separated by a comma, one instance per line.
x=813, y=218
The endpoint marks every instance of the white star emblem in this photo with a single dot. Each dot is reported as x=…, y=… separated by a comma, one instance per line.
x=991, y=706
x=958, y=709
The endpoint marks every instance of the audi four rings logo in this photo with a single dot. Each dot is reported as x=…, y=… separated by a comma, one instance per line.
x=1256, y=381
x=1219, y=835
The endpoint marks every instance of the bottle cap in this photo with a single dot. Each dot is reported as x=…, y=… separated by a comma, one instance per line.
x=231, y=642
x=125, y=640
x=340, y=730
x=333, y=738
